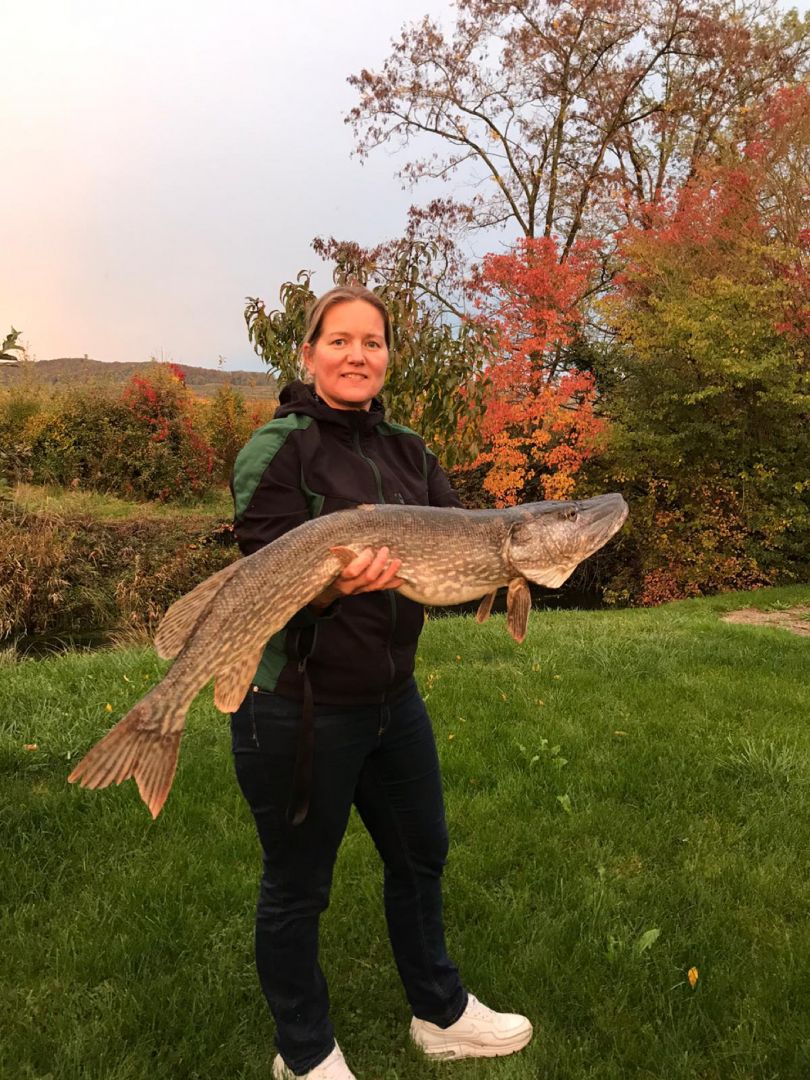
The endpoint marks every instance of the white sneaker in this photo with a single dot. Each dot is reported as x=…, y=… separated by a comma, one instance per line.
x=478, y=1032
x=332, y=1068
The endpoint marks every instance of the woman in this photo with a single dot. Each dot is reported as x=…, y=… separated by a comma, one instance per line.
x=367, y=739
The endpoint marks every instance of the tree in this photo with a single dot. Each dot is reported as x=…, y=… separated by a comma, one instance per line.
x=569, y=110
x=712, y=402
x=539, y=426
x=436, y=377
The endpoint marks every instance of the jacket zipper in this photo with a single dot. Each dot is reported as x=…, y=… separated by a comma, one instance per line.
x=392, y=601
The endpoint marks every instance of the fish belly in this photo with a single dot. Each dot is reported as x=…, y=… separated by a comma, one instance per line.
x=453, y=586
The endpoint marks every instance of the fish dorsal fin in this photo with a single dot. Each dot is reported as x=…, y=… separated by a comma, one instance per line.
x=233, y=683
x=485, y=607
x=518, y=606
x=182, y=616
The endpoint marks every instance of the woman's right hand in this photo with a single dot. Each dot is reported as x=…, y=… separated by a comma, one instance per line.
x=371, y=571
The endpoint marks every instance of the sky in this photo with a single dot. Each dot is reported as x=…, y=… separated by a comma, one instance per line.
x=164, y=160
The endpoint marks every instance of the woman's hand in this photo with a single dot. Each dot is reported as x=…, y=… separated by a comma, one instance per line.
x=371, y=571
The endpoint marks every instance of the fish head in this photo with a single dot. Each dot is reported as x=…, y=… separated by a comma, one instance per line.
x=550, y=539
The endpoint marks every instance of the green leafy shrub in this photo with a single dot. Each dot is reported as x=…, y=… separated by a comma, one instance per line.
x=686, y=540
x=145, y=443
x=77, y=440
x=227, y=421
x=19, y=410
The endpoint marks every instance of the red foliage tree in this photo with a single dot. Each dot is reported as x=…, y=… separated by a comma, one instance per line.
x=539, y=425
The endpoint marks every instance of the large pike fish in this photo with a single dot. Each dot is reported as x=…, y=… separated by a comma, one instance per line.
x=219, y=630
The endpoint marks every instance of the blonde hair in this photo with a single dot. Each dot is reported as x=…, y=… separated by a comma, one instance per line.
x=341, y=294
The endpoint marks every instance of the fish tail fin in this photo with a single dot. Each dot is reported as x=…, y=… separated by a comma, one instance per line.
x=144, y=745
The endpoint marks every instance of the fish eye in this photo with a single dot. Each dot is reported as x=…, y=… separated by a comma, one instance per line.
x=570, y=515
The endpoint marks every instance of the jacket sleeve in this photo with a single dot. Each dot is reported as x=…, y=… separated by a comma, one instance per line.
x=275, y=505
x=440, y=493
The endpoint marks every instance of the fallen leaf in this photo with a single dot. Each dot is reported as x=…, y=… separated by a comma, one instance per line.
x=648, y=938
x=30, y=746
x=108, y=707
x=619, y=733
x=451, y=736
x=692, y=976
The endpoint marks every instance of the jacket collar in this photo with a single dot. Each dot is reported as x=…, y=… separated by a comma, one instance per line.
x=300, y=398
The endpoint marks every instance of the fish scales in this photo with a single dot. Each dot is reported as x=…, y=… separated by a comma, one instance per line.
x=219, y=629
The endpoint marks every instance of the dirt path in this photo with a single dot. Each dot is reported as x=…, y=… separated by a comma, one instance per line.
x=796, y=619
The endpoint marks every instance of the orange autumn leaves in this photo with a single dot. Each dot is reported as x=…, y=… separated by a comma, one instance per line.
x=539, y=426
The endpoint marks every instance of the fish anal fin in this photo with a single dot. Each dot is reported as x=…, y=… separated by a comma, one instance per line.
x=485, y=607
x=181, y=618
x=233, y=683
x=518, y=606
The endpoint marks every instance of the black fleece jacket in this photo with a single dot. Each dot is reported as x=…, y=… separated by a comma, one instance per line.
x=312, y=460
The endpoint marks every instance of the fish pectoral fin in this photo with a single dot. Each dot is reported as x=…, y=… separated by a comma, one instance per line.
x=345, y=554
x=518, y=606
x=485, y=607
x=232, y=684
x=181, y=618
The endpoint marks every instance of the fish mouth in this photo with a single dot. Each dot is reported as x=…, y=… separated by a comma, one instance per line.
x=603, y=512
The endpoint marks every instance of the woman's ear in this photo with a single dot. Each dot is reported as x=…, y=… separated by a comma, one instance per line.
x=306, y=357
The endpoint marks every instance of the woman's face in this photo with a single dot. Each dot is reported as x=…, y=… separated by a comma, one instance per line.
x=349, y=359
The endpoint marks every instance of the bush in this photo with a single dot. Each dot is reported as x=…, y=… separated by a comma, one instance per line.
x=144, y=443
x=163, y=456
x=77, y=440
x=76, y=577
x=678, y=544
x=19, y=411
x=227, y=422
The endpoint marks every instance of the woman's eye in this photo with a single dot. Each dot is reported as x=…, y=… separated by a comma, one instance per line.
x=338, y=341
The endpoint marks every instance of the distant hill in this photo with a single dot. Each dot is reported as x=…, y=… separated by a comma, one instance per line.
x=75, y=370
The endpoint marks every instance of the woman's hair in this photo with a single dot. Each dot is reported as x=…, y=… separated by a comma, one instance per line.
x=342, y=294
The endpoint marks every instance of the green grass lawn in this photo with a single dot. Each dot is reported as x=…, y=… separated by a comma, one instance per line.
x=628, y=798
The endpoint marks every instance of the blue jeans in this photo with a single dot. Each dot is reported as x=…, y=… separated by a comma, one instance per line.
x=383, y=759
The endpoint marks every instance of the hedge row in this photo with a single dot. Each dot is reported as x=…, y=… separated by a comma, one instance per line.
x=72, y=576
x=153, y=440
